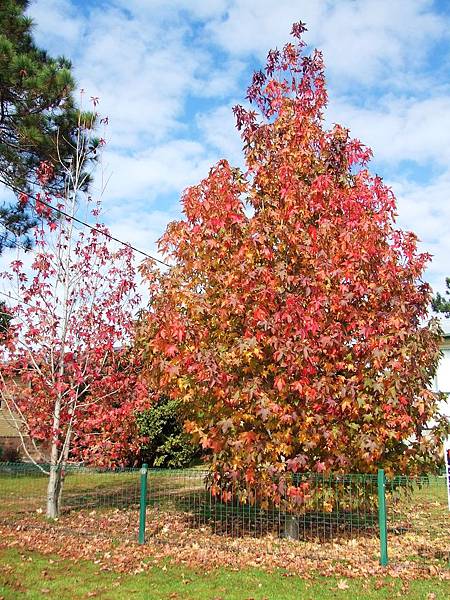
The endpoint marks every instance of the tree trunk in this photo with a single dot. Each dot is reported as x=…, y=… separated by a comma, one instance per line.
x=54, y=480
x=62, y=476
x=291, y=528
x=53, y=491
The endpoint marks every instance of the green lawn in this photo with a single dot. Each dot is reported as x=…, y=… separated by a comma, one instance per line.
x=31, y=576
x=27, y=492
x=22, y=491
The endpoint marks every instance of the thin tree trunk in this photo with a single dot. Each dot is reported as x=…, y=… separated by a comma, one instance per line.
x=57, y=462
x=54, y=480
x=53, y=491
x=63, y=466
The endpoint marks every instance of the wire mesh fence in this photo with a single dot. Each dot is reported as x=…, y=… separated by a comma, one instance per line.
x=23, y=488
x=309, y=507
x=416, y=502
x=417, y=510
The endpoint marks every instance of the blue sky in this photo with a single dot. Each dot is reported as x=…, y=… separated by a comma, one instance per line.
x=168, y=72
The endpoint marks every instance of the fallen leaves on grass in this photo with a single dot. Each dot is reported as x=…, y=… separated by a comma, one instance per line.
x=342, y=585
x=108, y=538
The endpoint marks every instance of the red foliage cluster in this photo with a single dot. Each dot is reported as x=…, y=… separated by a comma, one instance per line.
x=67, y=369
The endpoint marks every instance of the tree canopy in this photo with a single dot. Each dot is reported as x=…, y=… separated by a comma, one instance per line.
x=68, y=374
x=38, y=116
x=291, y=322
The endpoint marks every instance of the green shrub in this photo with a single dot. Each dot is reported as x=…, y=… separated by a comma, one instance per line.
x=166, y=444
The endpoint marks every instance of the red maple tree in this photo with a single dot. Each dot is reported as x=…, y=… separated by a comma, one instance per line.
x=292, y=320
x=68, y=373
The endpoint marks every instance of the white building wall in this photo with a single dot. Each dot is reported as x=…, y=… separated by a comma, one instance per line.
x=442, y=380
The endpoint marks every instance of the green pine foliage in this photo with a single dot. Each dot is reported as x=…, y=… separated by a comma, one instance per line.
x=441, y=303
x=38, y=117
x=166, y=443
x=5, y=319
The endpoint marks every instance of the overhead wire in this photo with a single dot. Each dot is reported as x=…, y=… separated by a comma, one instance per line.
x=34, y=251
x=93, y=228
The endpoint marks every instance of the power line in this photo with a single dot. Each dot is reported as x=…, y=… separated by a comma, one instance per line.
x=93, y=228
x=18, y=300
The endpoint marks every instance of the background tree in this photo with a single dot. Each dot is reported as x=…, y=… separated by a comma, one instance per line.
x=291, y=324
x=440, y=303
x=164, y=442
x=5, y=320
x=38, y=118
x=67, y=373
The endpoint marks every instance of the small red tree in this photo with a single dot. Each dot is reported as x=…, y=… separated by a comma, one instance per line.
x=67, y=372
x=291, y=323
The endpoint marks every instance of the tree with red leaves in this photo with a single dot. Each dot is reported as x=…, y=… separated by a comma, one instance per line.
x=291, y=323
x=68, y=373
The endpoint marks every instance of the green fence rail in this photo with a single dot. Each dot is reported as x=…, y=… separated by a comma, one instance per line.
x=328, y=508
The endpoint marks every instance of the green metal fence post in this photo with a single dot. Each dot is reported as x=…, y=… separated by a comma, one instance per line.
x=382, y=521
x=143, y=503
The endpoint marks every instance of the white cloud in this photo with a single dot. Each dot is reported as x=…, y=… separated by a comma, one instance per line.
x=161, y=9
x=255, y=26
x=142, y=71
x=167, y=168
x=218, y=130
x=399, y=128
x=218, y=80
x=141, y=79
x=372, y=41
x=364, y=41
x=425, y=209
x=142, y=229
x=57, y=25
